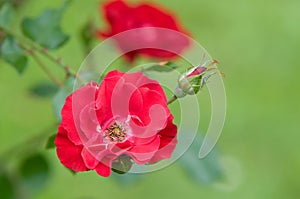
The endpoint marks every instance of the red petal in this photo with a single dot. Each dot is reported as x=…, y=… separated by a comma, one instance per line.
x=168, y=142
x=103, y=101
x=151, y=98
x=142, y=154
x=115, y=11
x=71, y=111
x=89, y=121
x=166, y=151
x=170, y=130
x=157, y=17
x=68, y=153
x=90, y=161
x=103, y=168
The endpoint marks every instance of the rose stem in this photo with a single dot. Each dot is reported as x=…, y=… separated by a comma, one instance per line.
x=58, y=61
x=172, y=99
x=43, y=51
x=43, y=67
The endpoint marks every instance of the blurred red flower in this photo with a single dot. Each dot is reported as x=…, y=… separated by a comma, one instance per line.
x=126, y=114
x=122, y=17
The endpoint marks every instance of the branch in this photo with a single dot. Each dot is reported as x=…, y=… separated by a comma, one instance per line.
x=172, y=99
x=43, y=67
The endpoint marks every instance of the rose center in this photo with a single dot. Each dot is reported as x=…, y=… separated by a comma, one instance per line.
x=115, y=133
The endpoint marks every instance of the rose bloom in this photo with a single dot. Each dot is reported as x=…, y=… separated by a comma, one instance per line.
x=122, y=17
x=126, y=114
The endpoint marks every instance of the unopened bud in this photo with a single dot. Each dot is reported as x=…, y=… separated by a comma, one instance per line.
x=194, y=79
x=179, y=93
x=185, y=86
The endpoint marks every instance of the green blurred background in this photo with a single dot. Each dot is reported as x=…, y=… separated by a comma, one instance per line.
x=256, y=42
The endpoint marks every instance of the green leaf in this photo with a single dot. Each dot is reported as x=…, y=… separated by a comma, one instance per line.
x=43, y=89
x=58, y=102
x=34, y=172
x=60, y=98
x=87, y=34
x=204, y=171
x=45, y=29
x=6, y=15
x=6, y=187
x=50, y=142
x=122, y=164
x=13, y=54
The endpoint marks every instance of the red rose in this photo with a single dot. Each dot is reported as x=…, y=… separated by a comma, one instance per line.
x=126, y=114
x=122, y=17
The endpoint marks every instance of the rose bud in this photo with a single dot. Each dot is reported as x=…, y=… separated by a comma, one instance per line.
x=194, y=79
